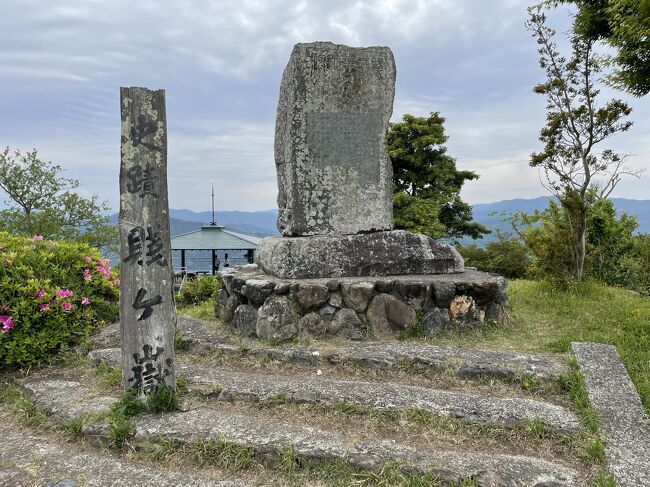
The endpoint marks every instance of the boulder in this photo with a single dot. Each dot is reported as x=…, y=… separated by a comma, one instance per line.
x=347, y=324
x=465, y=312
x=386, y=314
x=313, y=324
x=257, y=290
x=357, y=295
x=244, y=320
x=311, y=296
x=435, y=320
x=277, y=319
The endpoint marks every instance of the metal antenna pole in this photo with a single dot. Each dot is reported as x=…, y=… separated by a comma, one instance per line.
x=213, y=220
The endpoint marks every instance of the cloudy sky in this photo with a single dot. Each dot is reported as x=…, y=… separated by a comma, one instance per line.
x=62, y=63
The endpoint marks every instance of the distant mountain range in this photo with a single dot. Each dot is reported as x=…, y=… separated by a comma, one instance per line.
x=263, y=223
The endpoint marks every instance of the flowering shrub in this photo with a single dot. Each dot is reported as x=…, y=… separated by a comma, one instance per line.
x=52, y=294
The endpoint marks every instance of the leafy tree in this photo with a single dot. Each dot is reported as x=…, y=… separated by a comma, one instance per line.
x=625, y=26
x=41, y=202
x=426, y=182
x=506, y=256
x=575, y=125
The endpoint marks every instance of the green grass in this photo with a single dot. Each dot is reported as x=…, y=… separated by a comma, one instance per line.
x=547, y=318
x=201, y=311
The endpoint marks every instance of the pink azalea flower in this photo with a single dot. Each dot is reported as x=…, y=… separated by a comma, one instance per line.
x=88, y=258
x=64, y=293
x=67, y=307
x=42, y=292
x=87, y=275
x=85, y=301
x=7, y=324
x=38, y=238
x=117, y=281
x=110, y=285
x=104, y=262
x=44, y=306
x=6, y=263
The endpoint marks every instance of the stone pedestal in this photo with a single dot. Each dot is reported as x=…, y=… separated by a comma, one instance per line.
x=390, y=253
x=257, y=304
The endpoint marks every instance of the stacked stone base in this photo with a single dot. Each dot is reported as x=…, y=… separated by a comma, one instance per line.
x=257, y=304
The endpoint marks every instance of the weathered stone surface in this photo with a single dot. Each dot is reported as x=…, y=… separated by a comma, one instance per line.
x=313, y=324
x=282, y=288
x=476, y=371
x=383, y=396
x=38, y=460
x=357, y=295
x=147, y=309
x=257, y=290
x=387, y=315
x=266, y=438
x=277, y=319
x=311, y=296
x=394, y=353
x=220, y=305
x=435, y=320
x=335, y=299
x=346, y=323
x=384, y=286
x=109, y=356
x=244, y=321
x=443, y=293
x=109, y=336
x=464, y=312
x=196, y=337
x=334, y=174
x=67, y=399
x=623, y=422
x=372, y=254
x=332, y=285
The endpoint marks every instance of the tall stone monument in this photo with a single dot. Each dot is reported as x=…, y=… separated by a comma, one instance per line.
x=147, y=309
x=340, y=269
x=335, y=179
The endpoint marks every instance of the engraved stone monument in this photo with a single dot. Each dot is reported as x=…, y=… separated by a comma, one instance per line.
x=339, y=268
x=147, y=309
x=334, y=174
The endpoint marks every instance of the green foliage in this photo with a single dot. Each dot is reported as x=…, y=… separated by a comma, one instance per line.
x=162, y=399
x=43, y=203
x=120, y=432
x=506, y=256
x=614, y=255
x=32, y=272
x=604, y=480
x=221, y=453
x=625, y=26
x=198, y=290
x=574, y=385
x=426, y=182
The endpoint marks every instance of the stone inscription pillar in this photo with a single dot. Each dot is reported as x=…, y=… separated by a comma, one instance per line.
x=147, y=309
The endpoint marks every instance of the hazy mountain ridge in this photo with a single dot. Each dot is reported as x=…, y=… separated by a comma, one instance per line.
x=263, y=223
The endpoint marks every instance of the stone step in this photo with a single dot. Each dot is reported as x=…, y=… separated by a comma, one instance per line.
x=383, y=396
x=624, y=425
x=466, y=363
x=267, y=439
x=33, y=459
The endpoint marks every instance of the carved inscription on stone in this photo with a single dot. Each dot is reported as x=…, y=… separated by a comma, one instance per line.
x=346, y=140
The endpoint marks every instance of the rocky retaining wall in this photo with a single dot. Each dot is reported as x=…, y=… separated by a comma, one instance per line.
x=356, y=308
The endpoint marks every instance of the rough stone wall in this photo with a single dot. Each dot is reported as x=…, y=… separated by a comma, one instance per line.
x=256, y=304
x=334, y=174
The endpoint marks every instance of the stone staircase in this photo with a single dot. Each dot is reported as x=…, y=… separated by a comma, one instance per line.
x=456, y=416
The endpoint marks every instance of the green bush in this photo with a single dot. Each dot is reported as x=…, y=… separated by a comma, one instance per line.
x=506, y=256
x=52, y=295
x=198, y=290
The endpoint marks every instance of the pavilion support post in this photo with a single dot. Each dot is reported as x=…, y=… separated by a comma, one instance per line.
x=250, y=256
x=214, y=262
x=183, y=269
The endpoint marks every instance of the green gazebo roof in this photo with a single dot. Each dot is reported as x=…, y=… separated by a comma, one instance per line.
x=214, y=237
